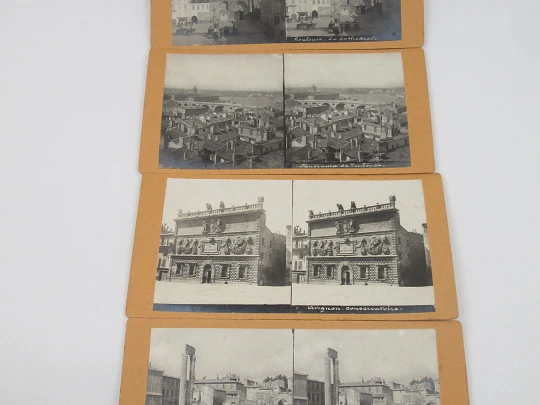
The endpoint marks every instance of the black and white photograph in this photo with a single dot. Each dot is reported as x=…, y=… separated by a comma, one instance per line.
x=366, y=367
x=220, y=367
x=229, y=22
x=360, y=243
x=355, y=117
x=223, y=246
x=222, y=112
x=343, y=20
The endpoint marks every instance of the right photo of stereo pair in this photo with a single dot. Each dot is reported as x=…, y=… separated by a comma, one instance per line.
x=295, y=245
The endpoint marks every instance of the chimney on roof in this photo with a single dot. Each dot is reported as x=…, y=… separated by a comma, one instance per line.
x=260, y=200
x=221, y=205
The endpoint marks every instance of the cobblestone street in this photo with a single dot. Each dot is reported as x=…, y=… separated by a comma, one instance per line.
x=249, y=32
x=382, y=29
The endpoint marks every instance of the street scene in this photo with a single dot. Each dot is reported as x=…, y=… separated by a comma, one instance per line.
x=366, y=367
x=223, y=112
x=360, y=243
x=343, y=20
x=344, y=119
x=220, y=367
x=204, y=22
x=223, y=242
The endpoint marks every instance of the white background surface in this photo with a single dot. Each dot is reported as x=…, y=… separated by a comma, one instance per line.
x=72, y=77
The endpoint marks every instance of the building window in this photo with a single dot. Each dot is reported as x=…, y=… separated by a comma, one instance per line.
x=192, y=269
x=329, y=271
x=316, y=269
x=224, y=271
x=178, y=269
x=382, y=273
x=408, y=243
x=262, y=241
x=242, y=272
x=299, y=265
x=399, y=241
x=364, y=272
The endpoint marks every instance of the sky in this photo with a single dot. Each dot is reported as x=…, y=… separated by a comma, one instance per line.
x=394, y=355
x=249, y=353
x=371, y=70
x=322, y=196
x=192, y=195
x=249, y=72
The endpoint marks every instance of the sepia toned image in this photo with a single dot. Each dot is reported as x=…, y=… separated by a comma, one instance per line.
x=342, y=119
x=360, y=245
x=366, y=367
x=311, y=21
x=229, y=22
x=223, y=243
x=222, y=112
x=220, y=367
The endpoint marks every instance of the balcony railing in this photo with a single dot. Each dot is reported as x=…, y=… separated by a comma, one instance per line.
x=360, y=210
x=230, y=210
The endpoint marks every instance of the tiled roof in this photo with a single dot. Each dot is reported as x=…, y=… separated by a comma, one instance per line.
x=175, y=133
x=315, y=121
x=213, y=146
x=297, y=132
x=227, y=136
x=301, y=154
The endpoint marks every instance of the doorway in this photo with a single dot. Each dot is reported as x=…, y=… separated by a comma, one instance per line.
x=345, y=275
x=207, y=274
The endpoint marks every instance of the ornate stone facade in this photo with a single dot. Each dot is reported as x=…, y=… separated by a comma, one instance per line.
x=227, y=245
x=362, y=245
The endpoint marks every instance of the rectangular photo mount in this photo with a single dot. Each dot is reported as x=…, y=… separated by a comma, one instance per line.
x=280, y=25
x=196, y=362
x=293, y=113
x=249, y=247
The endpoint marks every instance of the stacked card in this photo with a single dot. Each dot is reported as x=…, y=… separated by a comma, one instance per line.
x=291, y=232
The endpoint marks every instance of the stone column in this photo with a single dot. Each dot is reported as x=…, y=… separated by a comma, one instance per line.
x=336, y=382
x=182, y=395
x=327, y=381
x=189, y=400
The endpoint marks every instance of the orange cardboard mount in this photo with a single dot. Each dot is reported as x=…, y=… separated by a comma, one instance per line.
x=412, y=29
x=451, y=387
x=188, y=299
x=419, y=141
